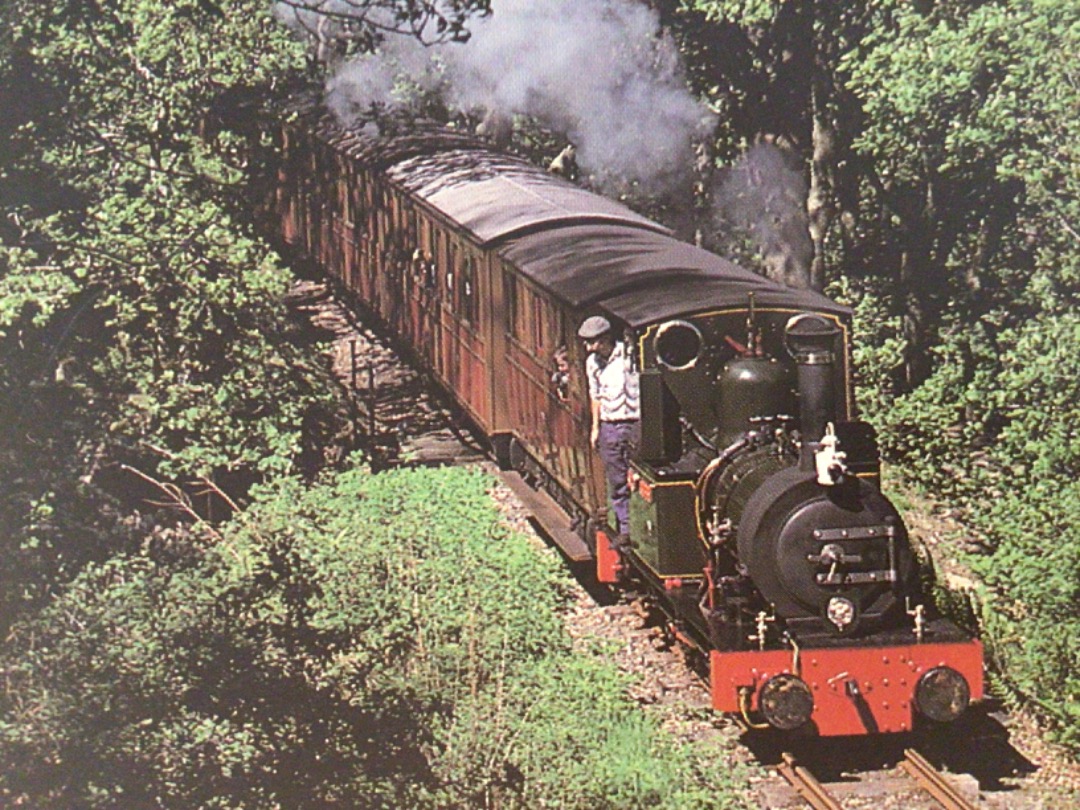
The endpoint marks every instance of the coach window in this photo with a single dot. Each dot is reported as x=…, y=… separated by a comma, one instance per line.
x=381, y=215
x=359, y=199
x=328, y=167
x=348, y=199
x=370, y=208
x=513, y=314
x=468, y=291
x=438, y=262
x=356, y=202
x=341, y=188
x=560, y=373
x=426, y=256
x=415, y=249
x=431, y=276
x=521, y=309
x=451, y=264
x=395, y=213
x=345, y=183
x=538, y=325
x=388, y=216
x=312, y=168
x=523, y=330
x=356, y=192
x=423, y=252
x=411, y=229
x=391, y=218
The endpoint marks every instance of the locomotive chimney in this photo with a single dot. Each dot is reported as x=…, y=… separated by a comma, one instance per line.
x=811, y=340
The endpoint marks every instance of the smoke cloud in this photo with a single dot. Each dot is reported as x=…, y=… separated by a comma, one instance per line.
x=763, y=197
x=602, y=72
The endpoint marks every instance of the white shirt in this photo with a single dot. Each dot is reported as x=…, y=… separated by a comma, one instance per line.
x=614, y=385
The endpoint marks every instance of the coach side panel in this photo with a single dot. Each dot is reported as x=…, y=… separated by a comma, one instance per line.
x=425, y=279
x=541, y=387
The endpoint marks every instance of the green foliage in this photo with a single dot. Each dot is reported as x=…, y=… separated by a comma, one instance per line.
x=946, y=135
x=980, y=113
x=141, y=322
x=378, y=640
x=373, y=640
x=360, y=26
x=879, y=350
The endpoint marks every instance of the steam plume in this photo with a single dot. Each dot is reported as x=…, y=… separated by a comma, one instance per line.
x=599, y=71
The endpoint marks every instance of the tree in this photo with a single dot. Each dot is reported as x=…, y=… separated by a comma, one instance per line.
x=338, y=27
x=947, y=135
x=771, y=67
x=367, y=641
x=141, y=319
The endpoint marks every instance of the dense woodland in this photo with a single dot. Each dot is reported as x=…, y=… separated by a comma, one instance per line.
x=198, y=603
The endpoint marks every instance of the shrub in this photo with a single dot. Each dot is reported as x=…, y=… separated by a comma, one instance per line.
x=377, y=640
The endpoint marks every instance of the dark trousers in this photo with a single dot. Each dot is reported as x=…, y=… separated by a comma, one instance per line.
x=617, y=443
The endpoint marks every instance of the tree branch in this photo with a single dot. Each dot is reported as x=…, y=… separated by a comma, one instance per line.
x=412, y=17
x=178, y=499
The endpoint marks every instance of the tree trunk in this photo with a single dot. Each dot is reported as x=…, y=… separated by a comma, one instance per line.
x=818, y=207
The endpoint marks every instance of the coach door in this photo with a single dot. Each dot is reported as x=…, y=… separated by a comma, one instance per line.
x=543, y=386
x=463, y=349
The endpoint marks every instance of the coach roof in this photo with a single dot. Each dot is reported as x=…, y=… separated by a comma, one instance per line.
x=641, y=276
x=491, y=194
x=582, y=247
x=498, y=208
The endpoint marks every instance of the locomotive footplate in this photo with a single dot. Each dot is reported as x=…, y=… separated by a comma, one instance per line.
x=550, y=516
x=886, y=684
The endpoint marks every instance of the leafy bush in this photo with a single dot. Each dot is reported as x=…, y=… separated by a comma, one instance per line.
x=1001, y=443
x=378, y=640
x=141, y=322
x=972, y=178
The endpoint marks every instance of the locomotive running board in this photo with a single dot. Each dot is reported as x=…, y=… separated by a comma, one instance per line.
x=550, y=516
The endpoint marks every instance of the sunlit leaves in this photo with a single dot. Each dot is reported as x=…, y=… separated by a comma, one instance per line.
x=959, y=201
x=141, y=319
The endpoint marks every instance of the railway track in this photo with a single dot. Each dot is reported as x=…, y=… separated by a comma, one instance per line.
x=806, y=784
x=933, y=782
x=400, y=417
x=928, y=779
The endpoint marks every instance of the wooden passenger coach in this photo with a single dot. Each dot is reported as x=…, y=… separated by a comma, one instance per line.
x=486, y=266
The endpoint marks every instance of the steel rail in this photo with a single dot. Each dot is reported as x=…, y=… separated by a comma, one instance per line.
x=806, y=784
x=931, y=780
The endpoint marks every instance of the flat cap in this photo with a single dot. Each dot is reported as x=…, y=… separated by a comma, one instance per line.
x=594, y=327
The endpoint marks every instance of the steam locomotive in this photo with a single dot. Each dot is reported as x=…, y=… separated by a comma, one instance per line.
x=756, y=515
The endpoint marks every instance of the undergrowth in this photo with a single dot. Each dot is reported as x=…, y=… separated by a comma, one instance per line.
x=371, y=641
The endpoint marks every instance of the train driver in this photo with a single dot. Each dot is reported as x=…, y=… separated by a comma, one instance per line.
x=614, y=401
